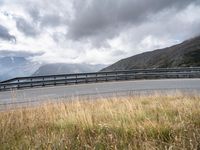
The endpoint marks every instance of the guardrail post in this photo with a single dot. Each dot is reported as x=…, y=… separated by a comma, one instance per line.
x=43, y=81
x=55, y=80
x=86, y=78
x=31, y=82
x=65, y=80
x=18, y=86
x=116, y=76
x=106, y=77
x=76, y=79
x=96, y=77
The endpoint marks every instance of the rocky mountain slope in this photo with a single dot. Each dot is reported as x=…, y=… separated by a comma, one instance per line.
x=186, y=54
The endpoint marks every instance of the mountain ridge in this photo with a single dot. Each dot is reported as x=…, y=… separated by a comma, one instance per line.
x=185, y=54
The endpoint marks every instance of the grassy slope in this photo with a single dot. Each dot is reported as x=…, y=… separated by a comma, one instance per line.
x=186, y=54
x=145, y=122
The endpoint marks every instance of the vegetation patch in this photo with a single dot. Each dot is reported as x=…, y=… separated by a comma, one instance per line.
x=192, y=58
x=134, y=122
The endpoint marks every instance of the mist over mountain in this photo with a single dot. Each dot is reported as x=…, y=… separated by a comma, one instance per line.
x=11, y=67
x=186, y=54
x=16, y=64
x=63, y=68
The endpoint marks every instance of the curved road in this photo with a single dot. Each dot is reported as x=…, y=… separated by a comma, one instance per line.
x=98, y=90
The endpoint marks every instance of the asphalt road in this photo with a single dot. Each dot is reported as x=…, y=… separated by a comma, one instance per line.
x=98, y=90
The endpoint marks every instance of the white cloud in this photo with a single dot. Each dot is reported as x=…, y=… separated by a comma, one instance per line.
x=106, y=42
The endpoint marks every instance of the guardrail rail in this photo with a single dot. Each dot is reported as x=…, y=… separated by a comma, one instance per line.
x=67, y=79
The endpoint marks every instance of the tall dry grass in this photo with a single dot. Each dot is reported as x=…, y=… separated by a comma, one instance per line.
x=133, y=122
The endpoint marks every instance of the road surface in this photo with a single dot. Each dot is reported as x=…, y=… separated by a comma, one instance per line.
x=97, y=90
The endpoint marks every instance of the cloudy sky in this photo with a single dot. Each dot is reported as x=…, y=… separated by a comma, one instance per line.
x=95, y=31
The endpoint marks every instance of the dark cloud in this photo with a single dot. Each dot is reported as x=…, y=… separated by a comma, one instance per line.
x=34, y=12
x=48, y=19
x=29, y=29
x=5, y=35
x=106, y=18
x=39, y=20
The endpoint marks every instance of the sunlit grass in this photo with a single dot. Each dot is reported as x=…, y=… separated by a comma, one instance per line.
x=134, y=122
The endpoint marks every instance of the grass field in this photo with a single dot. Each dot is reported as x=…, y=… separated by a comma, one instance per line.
x=158, y=121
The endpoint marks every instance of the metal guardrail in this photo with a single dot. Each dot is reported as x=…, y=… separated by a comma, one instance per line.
x=65, y=79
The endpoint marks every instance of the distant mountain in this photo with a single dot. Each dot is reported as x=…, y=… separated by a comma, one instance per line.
x=62, y=68
x=11, y=67
x=18, y=64
x=186, y=54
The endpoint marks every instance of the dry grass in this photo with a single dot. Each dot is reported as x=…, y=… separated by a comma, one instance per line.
x=132, y=122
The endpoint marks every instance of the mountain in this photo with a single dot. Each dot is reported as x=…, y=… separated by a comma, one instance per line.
x=63, y=68
x=15, y=66
x=19, y=63
x=186, y=54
